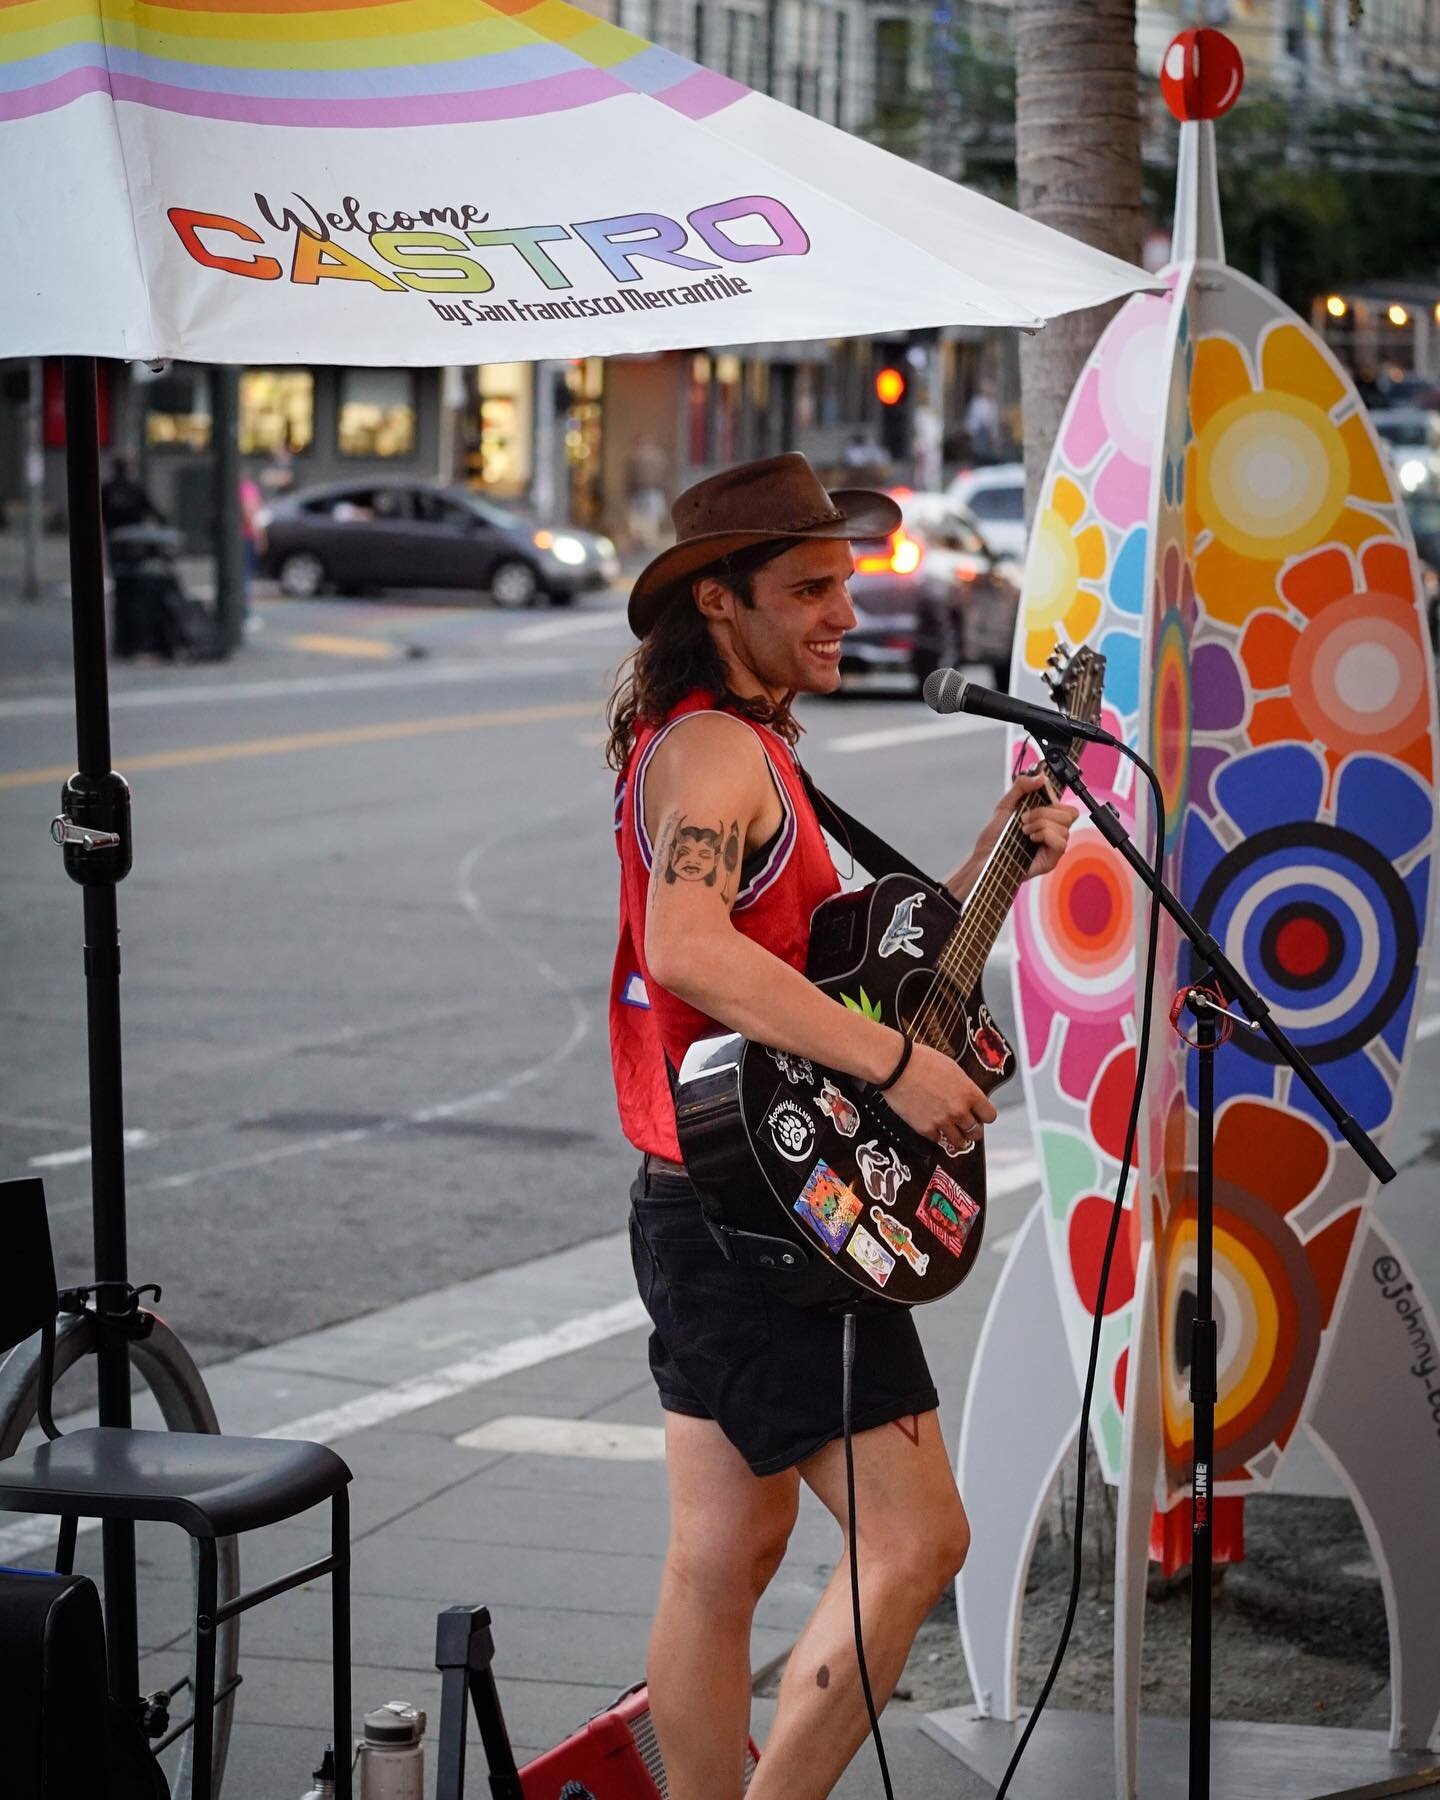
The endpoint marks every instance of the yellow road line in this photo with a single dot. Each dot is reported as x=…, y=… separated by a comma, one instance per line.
x=315, y=740
x=334, y=645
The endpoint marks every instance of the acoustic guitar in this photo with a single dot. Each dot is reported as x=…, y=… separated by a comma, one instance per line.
x=798, y=1165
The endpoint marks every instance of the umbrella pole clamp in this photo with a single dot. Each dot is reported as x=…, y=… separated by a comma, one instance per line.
x=93, y=828
x=124, y=1313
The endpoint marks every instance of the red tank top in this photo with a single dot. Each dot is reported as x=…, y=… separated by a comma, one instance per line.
x=778, y=894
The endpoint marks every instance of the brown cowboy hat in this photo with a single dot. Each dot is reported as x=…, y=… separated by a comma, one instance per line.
x=779, y=497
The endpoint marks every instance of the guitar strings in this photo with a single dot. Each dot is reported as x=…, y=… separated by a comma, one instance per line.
x=962, y=957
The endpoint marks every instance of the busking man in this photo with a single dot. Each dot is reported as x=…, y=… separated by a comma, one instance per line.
x=723, y=862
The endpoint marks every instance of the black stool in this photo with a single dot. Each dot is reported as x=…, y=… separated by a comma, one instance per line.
x=212, y=1487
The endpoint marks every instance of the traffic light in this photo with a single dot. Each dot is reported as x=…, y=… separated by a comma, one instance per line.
x=890, y=385
x=894, y=392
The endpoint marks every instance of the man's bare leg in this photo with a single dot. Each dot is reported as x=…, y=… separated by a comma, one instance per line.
x=728, y=1531
x=911, y=1538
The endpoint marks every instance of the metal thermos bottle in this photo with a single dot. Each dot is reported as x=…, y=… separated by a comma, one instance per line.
x=392, y=1756
x=323, y=1778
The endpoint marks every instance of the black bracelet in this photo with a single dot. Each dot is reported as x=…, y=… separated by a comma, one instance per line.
x=906, y=1047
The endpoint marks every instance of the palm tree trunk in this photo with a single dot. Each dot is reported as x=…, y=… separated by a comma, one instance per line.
x=1077, y=156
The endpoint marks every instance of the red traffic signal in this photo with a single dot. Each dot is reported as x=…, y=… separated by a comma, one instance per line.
x=889, y=386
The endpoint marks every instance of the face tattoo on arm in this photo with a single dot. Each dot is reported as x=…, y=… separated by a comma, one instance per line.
x=700, y=853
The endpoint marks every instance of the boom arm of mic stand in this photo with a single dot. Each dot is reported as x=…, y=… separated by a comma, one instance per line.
x=1107, y=822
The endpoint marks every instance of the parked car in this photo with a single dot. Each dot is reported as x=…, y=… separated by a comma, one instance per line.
x=418, y=534
x=931, y=595
x=1411, y=438
x=1424, y=511
x=996, y=496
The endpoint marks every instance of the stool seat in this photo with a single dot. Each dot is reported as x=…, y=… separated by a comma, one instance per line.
x=210, y=1486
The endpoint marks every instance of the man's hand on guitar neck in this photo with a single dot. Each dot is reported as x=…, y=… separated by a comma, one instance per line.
x=936, y=1098
x=1047, y=827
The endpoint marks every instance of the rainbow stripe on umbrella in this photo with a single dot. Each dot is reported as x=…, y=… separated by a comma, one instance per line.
x=338, y=63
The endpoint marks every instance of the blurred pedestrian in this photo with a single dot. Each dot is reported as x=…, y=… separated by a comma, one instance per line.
x=647, y=494
x=252, y=529
x=124, y=501
x=982, y=424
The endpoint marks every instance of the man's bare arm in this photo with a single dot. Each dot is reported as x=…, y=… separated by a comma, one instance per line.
x=707, y=789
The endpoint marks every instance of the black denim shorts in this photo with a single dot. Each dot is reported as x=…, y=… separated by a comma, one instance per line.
x=726, y=1348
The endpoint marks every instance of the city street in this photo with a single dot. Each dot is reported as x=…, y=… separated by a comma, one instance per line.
x=374, y=1159
x=367, y=948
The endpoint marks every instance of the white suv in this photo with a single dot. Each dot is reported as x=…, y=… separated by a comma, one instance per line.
x=996, y=497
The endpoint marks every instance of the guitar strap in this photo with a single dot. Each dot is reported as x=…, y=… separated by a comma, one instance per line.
x=867, y=847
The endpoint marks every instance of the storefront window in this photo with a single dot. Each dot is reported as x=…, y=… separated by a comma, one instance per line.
x=277, y=411
x=727, y=408
x=377, y=412
x=505, y=454
x=698, y=411
x=585, y=388
x=177, y=409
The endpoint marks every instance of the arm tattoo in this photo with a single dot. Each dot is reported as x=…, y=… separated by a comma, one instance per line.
x=704, y=853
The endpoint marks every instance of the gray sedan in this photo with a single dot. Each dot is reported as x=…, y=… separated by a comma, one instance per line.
x=414, y=534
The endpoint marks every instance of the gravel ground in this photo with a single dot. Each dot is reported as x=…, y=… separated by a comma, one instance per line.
x=1299, y=1629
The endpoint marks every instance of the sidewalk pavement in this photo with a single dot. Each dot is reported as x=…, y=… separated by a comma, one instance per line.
x=284, y=639
x=563, y=1544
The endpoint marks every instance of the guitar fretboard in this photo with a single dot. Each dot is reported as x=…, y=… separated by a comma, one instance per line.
x=941, y=1019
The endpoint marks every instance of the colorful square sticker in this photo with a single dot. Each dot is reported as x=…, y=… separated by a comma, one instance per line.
x=872, y=1258
x=947, y=1211
x=828, y=1205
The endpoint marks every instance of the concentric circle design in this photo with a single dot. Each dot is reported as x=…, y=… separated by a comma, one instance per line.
x=1274, y=474
x=1076, y=930
x=1323, y=926
x=1357, y=678
x=1268, y=1316
x=1171, y=719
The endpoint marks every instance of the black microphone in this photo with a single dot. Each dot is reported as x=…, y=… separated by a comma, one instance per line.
x=947, y=691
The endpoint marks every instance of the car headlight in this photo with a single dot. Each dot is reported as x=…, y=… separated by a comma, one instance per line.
x=568, y=550
x=606, y=546
x=1413, y=474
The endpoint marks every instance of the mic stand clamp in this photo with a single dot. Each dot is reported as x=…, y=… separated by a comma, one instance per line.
x=1209, y=1011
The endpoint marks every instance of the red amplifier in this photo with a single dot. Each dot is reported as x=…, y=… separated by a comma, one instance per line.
x=615, y=1756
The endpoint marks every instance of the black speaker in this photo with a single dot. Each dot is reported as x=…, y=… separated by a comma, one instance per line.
x=52, y=1674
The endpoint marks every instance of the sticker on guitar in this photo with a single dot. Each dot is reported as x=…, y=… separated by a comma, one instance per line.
x=991, y=1050
x=792, y=1131
x=902, y=933
x=899, y=1239
x=843, y=1114
x=828, y=1205
x=947, y=1211
x=883, y=1171
x=876, y=1263
x=799, y=1071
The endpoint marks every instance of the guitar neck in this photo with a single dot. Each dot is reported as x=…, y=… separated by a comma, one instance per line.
x=963, y=959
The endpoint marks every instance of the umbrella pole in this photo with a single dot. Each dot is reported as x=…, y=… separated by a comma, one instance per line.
x=94, y=829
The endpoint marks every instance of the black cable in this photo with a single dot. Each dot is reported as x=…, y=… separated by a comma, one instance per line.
x=1131, y=1130
x=847, y=1354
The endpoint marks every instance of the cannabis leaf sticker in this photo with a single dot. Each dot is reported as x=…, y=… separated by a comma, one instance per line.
x=870, y=1008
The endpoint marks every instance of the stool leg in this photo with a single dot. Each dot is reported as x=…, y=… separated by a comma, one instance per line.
x=340, y=1637
x=65, y=1550
x=202, y=1740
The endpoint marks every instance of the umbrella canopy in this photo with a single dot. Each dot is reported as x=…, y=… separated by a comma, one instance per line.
x=443, y=181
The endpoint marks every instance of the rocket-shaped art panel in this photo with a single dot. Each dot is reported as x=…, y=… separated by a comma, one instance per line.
x=1218, y=519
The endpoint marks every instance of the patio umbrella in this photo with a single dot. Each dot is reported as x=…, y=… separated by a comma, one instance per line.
x=420, y=182
x=347, y=180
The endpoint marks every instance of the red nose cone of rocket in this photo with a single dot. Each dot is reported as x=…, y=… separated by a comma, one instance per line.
x=1202, y=75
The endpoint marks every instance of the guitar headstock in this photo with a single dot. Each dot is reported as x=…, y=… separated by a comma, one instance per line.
x=1076, y=680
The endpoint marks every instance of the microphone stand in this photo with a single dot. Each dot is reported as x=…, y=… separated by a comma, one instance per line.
x=1208, y=1009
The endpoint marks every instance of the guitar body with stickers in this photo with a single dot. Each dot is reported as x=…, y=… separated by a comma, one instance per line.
x=789, y=1156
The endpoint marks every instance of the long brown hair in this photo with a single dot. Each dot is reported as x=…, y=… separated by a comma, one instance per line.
x=678, y=654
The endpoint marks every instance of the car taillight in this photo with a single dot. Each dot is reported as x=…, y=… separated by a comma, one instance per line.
x=902, y=555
